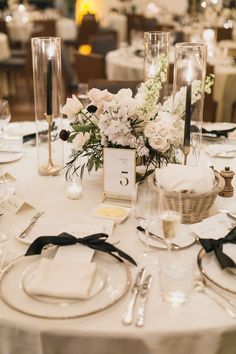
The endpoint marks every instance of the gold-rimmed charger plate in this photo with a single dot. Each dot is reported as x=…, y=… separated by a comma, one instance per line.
x=213, y=273
x=12, y=293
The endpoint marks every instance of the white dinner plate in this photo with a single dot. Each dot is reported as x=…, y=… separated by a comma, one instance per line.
x=212, y=271
x=221, y=150
x=24, y=128
x=13, y=294
x=9, y=156
x=185, y=237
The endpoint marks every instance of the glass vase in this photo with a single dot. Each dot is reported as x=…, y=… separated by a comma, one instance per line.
x=46, y=55
x=156, y=58
x=188, y=93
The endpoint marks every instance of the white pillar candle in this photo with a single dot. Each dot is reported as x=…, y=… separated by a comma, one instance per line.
x=74, y=189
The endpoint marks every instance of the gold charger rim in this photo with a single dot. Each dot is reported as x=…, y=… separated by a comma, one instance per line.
x=200, y=256
x=89, y=313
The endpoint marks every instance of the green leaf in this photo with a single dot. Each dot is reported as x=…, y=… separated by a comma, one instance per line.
x=80, y=128
x=90, y=164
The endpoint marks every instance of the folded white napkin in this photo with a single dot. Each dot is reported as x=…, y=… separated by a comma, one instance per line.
x=179, y=178
x=63, y=278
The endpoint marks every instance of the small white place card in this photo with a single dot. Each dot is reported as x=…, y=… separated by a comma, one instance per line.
x=213, y=227
x=119, y=173
x=14, y=205
x=79, y=252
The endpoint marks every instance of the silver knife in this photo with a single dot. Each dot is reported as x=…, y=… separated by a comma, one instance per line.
x=141, y=229
x=24, y=233
x=129, y=313
x=143, y=300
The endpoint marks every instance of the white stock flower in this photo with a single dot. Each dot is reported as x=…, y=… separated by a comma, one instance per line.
x=79, y=141
x=72, y=107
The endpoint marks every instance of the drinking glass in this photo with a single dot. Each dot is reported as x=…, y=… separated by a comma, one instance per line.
x=82, y=93
x=176, y=276
x=5, y=117
x=146, y=212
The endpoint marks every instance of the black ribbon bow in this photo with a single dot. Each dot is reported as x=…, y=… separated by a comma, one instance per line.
x=217, y=133
x=210, y=245
x=96, y=242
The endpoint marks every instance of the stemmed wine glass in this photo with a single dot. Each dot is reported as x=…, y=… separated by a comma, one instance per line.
x=146, y=212
x=170, y=218
x=5, y=117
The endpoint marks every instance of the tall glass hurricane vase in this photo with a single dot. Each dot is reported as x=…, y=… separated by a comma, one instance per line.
x=46, y=54
x=156, y=58
x=189, y=81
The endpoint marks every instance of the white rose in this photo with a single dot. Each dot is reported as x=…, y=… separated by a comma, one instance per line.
x=159, y=143
x=72, y=107
x=151, y=129
x=80, y=140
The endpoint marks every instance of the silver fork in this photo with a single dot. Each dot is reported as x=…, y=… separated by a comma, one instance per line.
x=225, y=303
x=34, y=219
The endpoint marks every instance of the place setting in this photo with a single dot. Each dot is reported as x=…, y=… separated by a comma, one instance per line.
x=67, y=282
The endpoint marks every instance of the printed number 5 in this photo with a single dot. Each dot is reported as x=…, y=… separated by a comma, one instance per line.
x=124, y=181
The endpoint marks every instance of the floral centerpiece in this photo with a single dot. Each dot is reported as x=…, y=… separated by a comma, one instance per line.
x=123, y=121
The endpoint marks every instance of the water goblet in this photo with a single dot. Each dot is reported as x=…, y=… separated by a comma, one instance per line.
x=82, y=93
x=146, y=212
x=5, y=117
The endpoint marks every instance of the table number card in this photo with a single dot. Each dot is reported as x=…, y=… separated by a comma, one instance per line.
x=119, y=174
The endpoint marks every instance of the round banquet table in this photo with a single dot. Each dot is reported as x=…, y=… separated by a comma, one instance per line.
x=123, y=64
x=199, y=326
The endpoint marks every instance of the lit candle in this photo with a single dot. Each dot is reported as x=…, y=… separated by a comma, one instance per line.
x=49, y=81
x=74, y=189
x=188, y=112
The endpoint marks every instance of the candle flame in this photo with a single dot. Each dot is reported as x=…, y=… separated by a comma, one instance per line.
x=50, y=51
x=189, y=73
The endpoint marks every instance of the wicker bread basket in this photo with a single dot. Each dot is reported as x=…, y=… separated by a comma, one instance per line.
x=195, y=207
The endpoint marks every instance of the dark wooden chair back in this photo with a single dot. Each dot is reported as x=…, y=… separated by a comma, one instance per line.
x=89, y=26
x=89, y=67
x=134, y=22
x=102, y=43
x=224, y=34
x=45, y=28
x=3, y=26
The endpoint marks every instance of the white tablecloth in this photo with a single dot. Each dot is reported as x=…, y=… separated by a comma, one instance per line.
x=122, y=64
x=200, y=326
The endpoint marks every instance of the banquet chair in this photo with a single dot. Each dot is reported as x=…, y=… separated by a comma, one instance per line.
x=88, y=27
x=134, y=22
x=149, y=24
x=102, y=43
x=44, y=28
x=224, y=34
x=3, y=26
x=113, y=86
x=90, y=66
